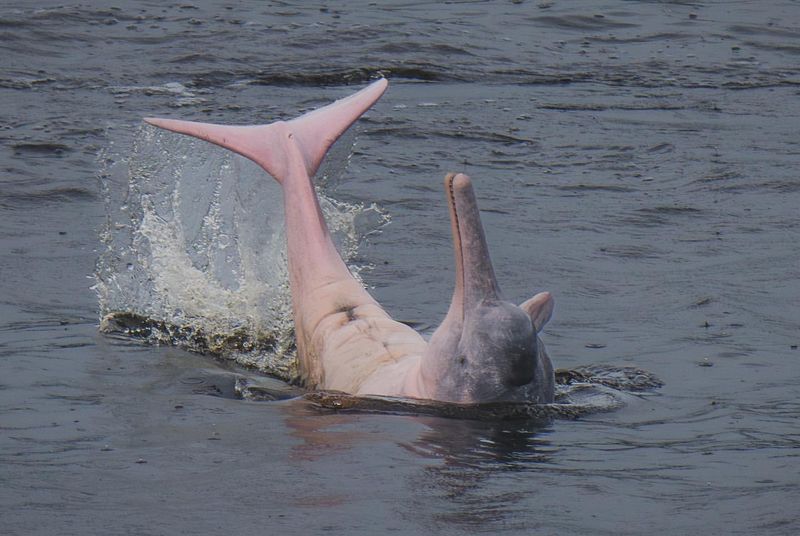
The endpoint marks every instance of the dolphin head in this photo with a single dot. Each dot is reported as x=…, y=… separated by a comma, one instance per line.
x=486, y=349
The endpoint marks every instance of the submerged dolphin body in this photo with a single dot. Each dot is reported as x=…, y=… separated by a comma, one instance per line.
x=486, y=349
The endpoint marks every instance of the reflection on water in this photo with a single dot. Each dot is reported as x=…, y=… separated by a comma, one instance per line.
x=469, y=457
x=454, y=462
x=457, y=442
x=321, y=436
x=490, y=446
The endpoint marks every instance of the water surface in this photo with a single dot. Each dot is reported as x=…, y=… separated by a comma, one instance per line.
x=636, y=159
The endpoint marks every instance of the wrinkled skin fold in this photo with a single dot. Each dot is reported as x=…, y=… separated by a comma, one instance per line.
x=486, y=349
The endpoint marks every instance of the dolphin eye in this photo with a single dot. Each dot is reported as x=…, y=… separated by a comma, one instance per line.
x=461, y=360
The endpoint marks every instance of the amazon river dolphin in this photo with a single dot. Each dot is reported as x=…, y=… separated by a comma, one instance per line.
x=486, y=349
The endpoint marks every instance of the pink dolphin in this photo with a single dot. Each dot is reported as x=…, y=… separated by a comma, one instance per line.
x=486, y=349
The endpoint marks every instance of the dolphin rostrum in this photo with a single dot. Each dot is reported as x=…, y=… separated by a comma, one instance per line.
x=486, y=349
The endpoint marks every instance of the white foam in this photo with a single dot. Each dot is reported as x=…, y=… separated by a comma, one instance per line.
x=195, y=239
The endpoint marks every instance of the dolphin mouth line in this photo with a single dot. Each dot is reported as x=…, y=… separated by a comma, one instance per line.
x=456, y=224
x=457, y=239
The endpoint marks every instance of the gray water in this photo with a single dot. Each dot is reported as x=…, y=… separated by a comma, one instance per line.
x=637, y=159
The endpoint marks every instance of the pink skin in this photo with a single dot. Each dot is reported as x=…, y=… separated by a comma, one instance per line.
x=345, y=340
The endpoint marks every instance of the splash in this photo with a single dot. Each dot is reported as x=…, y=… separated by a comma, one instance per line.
x=194, y=250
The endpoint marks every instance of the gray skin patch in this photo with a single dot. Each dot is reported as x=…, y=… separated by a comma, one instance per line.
x=486, y=349
x=500, y=348
x=496, y=356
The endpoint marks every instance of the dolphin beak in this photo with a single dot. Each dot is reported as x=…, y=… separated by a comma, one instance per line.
x=475, y=279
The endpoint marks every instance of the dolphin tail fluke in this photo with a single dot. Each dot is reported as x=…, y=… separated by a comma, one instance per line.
x=319, y=129
x=267, y=145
